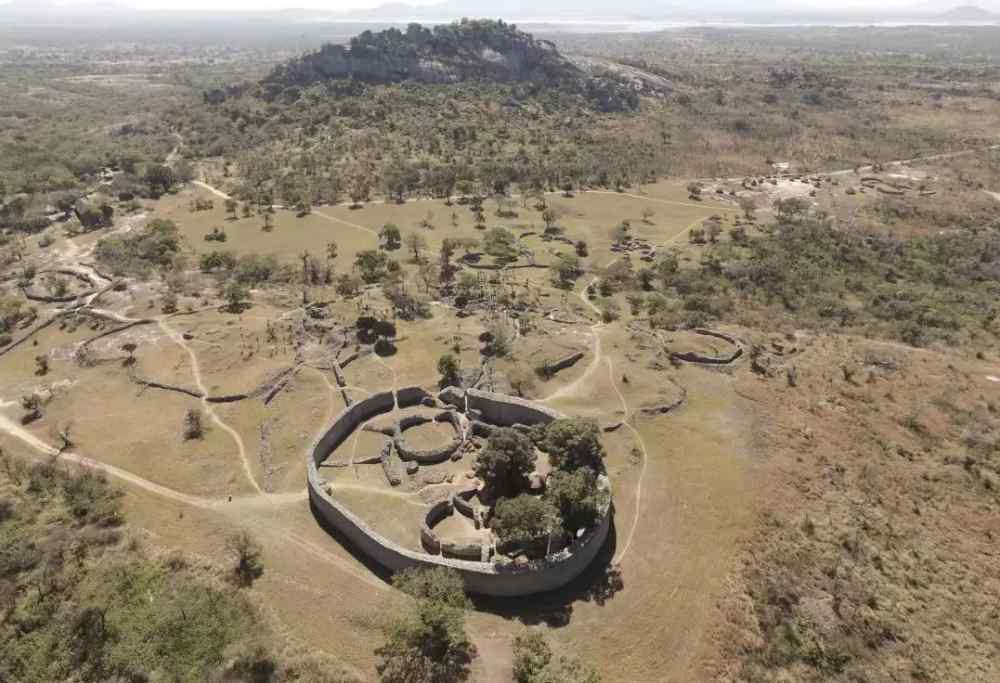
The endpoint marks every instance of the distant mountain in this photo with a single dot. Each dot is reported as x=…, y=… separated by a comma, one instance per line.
x=470, y=50
x=968, y=13
x=944, y=7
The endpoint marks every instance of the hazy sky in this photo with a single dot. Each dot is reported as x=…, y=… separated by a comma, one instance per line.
x=335, y=5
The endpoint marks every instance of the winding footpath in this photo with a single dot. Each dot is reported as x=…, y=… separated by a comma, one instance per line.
x=178, y=339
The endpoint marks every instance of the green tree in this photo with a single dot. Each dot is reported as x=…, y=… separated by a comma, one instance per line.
x=446, y=269
x=372, y=265
x=360, y=190
x=572, y=443
x=159, y=179
x=526, y=522
x=549, y=217
x=568, y=269
x=501, y=244
x=667, y=267
x=246, y=556
x=236, y=295
x=427, y=643
x=620, y=233
x=440, y=584
x=534, y=663
x=416, y=243
x=505, y=463
x=791, y=208
x=390, y=236
x=577, y=497
x=400, y=177
x=448, y=368
x=347, y=285
x=531, y=655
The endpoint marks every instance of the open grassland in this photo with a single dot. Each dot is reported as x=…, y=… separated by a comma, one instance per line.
x=673, y=595
x=140, y=430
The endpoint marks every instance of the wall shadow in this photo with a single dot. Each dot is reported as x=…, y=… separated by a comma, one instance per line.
x=376, y=568
x=599, y=583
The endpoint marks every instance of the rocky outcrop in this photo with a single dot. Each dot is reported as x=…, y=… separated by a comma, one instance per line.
x=476, y=50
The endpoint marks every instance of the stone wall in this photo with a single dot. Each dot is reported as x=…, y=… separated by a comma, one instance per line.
x=695, y=357
x=485, y=578
x=499, y=409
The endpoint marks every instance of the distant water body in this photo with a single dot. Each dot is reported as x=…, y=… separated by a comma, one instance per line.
x=636, y=25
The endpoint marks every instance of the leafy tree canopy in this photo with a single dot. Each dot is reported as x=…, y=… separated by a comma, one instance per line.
x=506, y=462
x=573, y=443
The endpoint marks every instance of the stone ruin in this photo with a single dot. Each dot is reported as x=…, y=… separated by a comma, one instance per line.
x=469, y=413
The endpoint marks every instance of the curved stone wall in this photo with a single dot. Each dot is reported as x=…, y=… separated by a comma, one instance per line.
x=487, y=578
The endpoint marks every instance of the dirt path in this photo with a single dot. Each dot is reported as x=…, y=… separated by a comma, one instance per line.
x=255, y=512
x=712, y=207
x=343, y=222
x=178, y=339
x=642, y=472
x=595, y=361
x=916, y=160
x=206, y=186
x=15, y=430
x=596, y=354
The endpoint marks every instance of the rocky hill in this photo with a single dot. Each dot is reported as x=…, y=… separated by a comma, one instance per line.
x=469, y=50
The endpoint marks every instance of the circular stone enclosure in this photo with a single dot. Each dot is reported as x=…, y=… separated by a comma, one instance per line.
x=463, y=411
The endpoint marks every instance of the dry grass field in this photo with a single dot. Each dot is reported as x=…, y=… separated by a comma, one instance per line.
x=690, y=485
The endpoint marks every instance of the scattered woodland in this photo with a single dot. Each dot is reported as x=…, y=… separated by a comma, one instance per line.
x=759, y=268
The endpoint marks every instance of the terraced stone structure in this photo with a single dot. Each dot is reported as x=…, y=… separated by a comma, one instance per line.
x=468, y=413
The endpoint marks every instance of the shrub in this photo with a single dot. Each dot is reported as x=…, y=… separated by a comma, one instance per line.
x=192, y=425
x=448, y=368
x=245, y=553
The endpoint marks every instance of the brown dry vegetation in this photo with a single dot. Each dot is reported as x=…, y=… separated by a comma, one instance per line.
x=874, y=553
x=823, y=509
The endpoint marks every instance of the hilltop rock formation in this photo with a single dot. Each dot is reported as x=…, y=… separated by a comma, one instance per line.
x=487, y=51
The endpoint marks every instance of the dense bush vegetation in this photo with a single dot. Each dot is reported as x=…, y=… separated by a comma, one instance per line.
x=138, y=253
x=918, y=290
x=79, y=602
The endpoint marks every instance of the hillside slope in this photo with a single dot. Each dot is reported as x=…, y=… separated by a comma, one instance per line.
x=470, y=50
